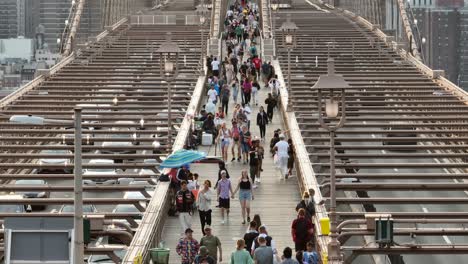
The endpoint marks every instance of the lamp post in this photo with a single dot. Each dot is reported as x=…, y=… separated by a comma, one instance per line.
x=78, y=255
x=169, y=69
x=202, y=12
x=289, y=42
x=274, y=6
x=331, y=92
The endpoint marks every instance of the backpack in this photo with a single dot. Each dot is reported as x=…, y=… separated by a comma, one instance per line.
x=253, y=51
x=186, y=199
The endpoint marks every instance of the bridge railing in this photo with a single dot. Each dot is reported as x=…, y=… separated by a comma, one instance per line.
x=149, y=232
x=153, y=20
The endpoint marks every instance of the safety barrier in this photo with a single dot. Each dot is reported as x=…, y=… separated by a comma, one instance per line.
x=153, y=20
x=149, y=232
x=304, y=170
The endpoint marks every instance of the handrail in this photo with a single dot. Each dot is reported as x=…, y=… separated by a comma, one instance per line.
x=307, y=178
x=149, y=232
x=66, y=30
x=74, y=28
x=34, y=83
x=408, y=30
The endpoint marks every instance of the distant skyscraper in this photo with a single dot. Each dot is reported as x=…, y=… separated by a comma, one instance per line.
x=444, y=26
x=9, y=18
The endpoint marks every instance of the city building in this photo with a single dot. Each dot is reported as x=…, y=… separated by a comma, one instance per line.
x=442, y=29
x=8, y=19
x=17, y=48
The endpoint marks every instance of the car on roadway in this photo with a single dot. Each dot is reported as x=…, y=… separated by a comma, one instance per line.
x=62, y=161
x=104, y=259
x=70, y=208
x=100, y=171
x=13, y=208
x=33, y=194
x=121, y=147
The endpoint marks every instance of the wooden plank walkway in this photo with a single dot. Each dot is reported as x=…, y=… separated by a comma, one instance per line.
x=275, y=198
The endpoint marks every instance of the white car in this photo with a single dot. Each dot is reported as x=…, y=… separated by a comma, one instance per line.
x=55, y=161
x=123, y=147
x=100, y=171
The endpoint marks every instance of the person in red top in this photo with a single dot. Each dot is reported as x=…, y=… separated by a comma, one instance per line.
x=302, y=231
x=257, y=63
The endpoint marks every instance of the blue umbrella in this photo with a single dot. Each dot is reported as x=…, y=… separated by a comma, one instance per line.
x=181, y=158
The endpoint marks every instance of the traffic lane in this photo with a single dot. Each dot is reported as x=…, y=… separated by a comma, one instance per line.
x=416, y=207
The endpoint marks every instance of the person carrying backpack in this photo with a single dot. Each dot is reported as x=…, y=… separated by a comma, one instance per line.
x=302, y=230
x=184, y=203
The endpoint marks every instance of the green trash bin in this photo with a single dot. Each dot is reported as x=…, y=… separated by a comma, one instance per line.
x=160, y=255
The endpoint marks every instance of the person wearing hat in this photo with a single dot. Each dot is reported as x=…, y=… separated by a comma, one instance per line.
x=212, y=243
x=187, y=248
x=281, y=149
x=203, y=257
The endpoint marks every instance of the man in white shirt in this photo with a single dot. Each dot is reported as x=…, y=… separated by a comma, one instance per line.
x=230, y=13
x=282, y=148
x=215, y=66
x=212, y=95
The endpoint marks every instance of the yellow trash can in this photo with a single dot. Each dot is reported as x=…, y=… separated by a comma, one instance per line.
x=325, y=225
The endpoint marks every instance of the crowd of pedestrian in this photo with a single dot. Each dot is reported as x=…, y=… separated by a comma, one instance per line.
x=236, y=81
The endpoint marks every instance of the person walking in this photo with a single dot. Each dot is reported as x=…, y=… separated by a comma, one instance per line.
x=262, y=122
x=255, y=87
x=235, y=134
x=262, y=230
x=234, y=89
x=254, y=161
x=229, y=72
x=251, y=235
x=212, y=95
x=291, y=157
x=240, y=256
x=263, y=254
x=271, y=103
x=184, y=202
x=246, y=195
x=215, y=67
x=287, y=257
x=224, y=138
x=308, y=204
x=245, y=138
x=247, y=88
x=281, y=149
x=187, y=247
x=203, y=257
x=213, y=244
x=225, y=94
x=302, y=230
x=204, y=204
x=224, y=187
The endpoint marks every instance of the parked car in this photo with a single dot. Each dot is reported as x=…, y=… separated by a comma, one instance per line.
x=100, y=171
x=104, y=259
x=33, y=194
x=55, y=161
x=121, y=147
x=13, y=208
x=70, y=208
